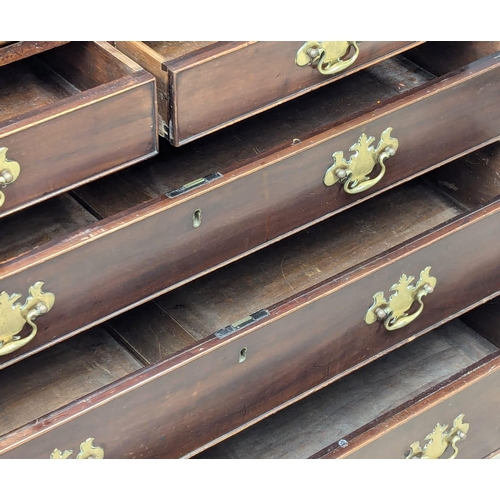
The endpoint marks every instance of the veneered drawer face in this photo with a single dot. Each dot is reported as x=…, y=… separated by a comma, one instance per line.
x=267, y=201
x=70, y=115
x=203, y=386
x=422, y=394
x=212, y=85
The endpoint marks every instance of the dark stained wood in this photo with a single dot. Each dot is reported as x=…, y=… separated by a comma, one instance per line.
x=473, y=392
x=268, y=201
x=474, y=179
x=199, y=79
x=326, y=416
x=486, y=320
x=89, y=64
x=203, y=394
x=14, y=51
x=443, y=57
x=96, y=119
x=54, y=220
x=57, y=377
x=150, y=333
x=173, y=50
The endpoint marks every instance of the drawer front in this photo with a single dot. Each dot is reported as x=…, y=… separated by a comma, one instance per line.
x=193, y=399
x=79, y=139
x=474, y=394
x=267, y=203
x=14, y=51
x=228, y=82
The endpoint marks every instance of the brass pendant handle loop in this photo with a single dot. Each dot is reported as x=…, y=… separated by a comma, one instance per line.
x=327, y=57
x=9, y=172
x=14, y=316
x=439, y=440
x=394, y=311
x=354, y=173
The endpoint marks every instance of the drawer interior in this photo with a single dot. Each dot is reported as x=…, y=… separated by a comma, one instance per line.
x=172, y=50
x=185, y=318
x=40, y=225
x=55, y=75
x=60, y=375
x=280, y=129
x=325, y=417
x=255, y=138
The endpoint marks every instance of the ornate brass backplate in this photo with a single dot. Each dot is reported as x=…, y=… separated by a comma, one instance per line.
x=354, y=173
x=394, y=312
x=13, y=316
x=87, y=451
x=440, y=439
x=9, y=172
x=327, y=57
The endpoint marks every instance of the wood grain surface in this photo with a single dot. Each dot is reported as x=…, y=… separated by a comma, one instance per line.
x=89, y=112
x=205, y=86
x=305, y=428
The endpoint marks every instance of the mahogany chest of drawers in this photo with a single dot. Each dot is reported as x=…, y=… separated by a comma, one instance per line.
x=198, y=260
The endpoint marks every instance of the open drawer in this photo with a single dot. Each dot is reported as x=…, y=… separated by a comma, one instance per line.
x=70, y=115
x=420, y=401
x=14, y=51
x=229, y=198
x=205, y=86
x=223, y=352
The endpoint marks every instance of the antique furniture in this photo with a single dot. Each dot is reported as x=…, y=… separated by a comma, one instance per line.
x=171, y=305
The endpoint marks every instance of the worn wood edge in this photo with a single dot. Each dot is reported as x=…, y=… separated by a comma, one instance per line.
x=128, y=48
x=417, y=93
x=211, y=343
x=415, y=407
x=344, y=374
x=203, y=55
x=173, y=110
x=74, y=103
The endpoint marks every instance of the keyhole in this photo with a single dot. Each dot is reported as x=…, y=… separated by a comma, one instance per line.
x=197, y=218
x=243, y=355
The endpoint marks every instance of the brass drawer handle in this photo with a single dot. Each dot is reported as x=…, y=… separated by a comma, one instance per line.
x=9, y=172
x=327, y=56
x=353, y=173
x=87, y=451
x=439, y=440
x=394, y=312
x=13, y=316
